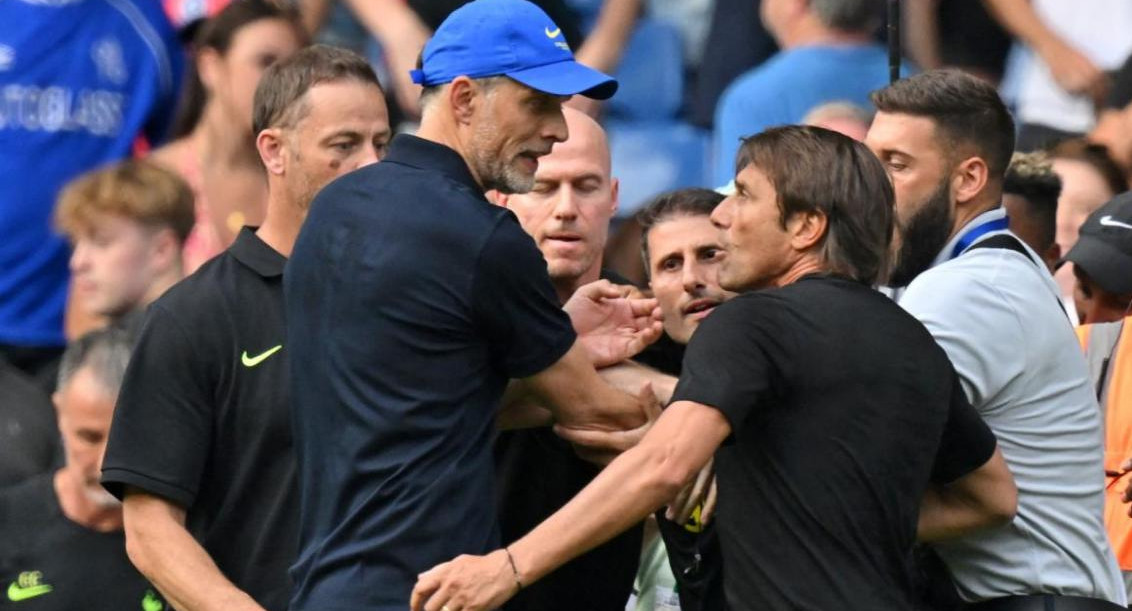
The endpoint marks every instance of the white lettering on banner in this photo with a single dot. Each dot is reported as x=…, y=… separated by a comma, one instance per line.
x=56, y=109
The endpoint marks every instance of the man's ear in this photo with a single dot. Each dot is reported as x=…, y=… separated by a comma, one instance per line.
x=614, y=195
x=807, y=229
x=166, y=249
x=272, y=146
x=464, y=95
x=497, y=198
x=969, y=178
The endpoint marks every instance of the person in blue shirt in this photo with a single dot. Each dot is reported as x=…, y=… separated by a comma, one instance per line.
x=80, y=82
x=828, y=54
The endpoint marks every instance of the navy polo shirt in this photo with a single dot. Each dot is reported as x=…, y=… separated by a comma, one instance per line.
x=411, y=301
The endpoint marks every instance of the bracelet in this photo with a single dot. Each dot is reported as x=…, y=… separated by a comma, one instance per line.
x=514, y=569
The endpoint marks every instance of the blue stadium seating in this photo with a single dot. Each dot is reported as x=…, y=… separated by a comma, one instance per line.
x=649, y=158
x=651, y=74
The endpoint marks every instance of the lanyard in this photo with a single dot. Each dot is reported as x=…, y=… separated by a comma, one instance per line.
x=978, y=232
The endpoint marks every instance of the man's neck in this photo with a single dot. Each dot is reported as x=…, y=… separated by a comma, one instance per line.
x=807, y=264
x=442, y=130
x=969, y=211
x=162, y=283
x=813, y=33
x=565, y=287
x=282, y=223
x=78, y=508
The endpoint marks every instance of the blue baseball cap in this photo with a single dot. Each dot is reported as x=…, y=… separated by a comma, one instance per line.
x=513, y=38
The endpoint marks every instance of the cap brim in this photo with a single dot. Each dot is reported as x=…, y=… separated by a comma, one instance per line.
x=567, y=78
x=1110, y=268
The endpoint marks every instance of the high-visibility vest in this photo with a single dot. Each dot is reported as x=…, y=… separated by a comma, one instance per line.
x=1109, y=352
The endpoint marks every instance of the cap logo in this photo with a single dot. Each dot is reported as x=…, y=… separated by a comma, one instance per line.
x=552, y=33
x=1107, y=221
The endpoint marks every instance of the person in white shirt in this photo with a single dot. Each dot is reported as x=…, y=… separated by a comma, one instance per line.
x=946, y=139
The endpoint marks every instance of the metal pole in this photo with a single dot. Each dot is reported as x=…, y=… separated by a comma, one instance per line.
x=893, y=41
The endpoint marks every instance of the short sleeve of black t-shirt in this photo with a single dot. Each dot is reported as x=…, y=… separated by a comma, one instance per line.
x=1121, y=93
x=164, y=389
x=726, y=365
x=516, y=304
x=967, y=441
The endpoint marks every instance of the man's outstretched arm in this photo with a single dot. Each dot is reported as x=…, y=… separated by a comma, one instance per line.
x=163, y=550
x=632, y=486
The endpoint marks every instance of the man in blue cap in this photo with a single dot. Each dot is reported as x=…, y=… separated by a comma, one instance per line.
x=413, y=304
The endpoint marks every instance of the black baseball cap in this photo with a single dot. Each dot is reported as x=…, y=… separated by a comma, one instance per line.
x=1104, y=248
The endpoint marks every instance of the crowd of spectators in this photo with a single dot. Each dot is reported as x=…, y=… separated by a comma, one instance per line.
x=170, y=151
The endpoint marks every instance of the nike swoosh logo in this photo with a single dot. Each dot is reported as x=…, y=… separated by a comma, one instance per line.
x=252, y=361
x=552, y=33
x=1107, y=221
x=16, y=593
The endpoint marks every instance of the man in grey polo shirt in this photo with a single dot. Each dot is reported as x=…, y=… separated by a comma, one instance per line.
x=946, y=139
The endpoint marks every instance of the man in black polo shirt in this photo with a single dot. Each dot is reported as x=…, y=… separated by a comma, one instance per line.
x=61, y=541
x=834, y=418
x=412, y=302
x=567, y=214
x=201, y=444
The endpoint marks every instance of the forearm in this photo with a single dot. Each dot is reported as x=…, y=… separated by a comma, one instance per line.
x=172, y=560
x=602, y=49
x=313, y=14
x=630, y=488
x=921, y=40
x=984, y=498
x=578, y=397
x=947, y=516
x=519, y=409
x=1020, y=19
x=630, y=376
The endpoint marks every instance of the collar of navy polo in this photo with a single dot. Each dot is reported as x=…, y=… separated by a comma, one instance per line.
x=428, y=155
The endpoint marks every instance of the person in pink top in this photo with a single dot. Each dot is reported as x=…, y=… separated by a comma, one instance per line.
x=213, y=149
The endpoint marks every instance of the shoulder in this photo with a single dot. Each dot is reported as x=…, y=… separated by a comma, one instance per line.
x=198, y=297
x=752, y=82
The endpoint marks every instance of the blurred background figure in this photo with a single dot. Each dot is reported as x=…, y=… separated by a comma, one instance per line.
x=1089, y=178
x=127, y=224
x=961, y=35
x=1102, y=263
x=828, y=54
x=63, y=542
x=82, y=84
x=842, y=117
x=214, y=150
x=1058, y=77
x=29, y=437
x=1030, y=193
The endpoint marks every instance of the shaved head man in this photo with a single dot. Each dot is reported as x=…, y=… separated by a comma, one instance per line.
x=568, y=210
x=567, y=214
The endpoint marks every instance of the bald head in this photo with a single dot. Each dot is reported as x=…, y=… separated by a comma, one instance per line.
x=568, y=211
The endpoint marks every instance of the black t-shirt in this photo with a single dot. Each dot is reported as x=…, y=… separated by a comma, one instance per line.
x=842, y=409
x=29, y=435
x=411, y=301
x=537, y=473
x=203, y=416
x=49, y=563
x=1120, y=95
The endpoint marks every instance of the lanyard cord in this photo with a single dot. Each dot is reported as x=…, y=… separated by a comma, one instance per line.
x=978, y=232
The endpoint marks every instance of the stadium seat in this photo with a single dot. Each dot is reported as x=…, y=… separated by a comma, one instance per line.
x=651, y=74
x=649, y=158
